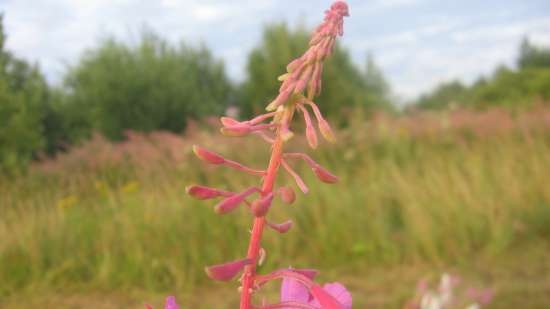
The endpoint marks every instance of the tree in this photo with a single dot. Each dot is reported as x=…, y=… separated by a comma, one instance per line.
x=149, y=86
x=533, y=57
x=23, y=97
x=349, y=87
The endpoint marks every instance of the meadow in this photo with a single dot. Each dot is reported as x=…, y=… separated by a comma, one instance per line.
x=109, y=225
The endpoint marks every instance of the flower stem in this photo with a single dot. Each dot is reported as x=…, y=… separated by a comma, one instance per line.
x=259, y=223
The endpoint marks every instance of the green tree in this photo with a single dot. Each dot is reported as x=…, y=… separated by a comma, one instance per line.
x=533, y=57
x=23, y=98
x=145, y=87
x=348, y=87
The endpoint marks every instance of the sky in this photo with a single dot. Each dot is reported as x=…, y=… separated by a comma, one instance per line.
x=417, y=43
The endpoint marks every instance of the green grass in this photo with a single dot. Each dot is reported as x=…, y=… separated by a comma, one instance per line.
x=411, y=202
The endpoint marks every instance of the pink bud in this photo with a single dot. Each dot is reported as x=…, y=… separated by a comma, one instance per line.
x=280, y=99
x=208, y=156
x=228, y=121
x=280, y=227
x=324, y=175
x=294, y=64
x=261, y=206
x=326, y=300
x=234, y=201
x=326, y=131
x=225, y=272
x=296, y=177
x=203, y=192
x=287, y=194
x=236, y=130
x=310, y=130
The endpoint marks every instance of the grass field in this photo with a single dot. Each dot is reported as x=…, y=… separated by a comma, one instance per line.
x=109, y=225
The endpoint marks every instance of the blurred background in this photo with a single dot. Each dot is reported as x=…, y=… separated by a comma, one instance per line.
x=442, y=115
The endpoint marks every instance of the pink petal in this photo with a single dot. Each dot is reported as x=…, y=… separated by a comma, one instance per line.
x=280, y=99
x=208, y=156
x=203, y=192
x=225, y=272
x=325, y=300
x=280, y=227
x=171, y=303
x=340, y=293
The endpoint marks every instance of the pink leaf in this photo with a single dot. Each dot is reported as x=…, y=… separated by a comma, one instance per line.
x=225, y=272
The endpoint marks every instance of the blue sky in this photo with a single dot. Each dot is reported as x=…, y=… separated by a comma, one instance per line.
x=417, y=43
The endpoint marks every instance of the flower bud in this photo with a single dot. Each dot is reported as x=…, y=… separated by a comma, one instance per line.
x=260, y=207
x=326, y=131
x=225, y=272
x=228, y=121
x=208, y=156
x=234, y=201
x=203, y=192
x=324, y=175
x=288, y=196
x=281, y=227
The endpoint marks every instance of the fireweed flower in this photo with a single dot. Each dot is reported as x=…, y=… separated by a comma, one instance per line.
x=299, y=86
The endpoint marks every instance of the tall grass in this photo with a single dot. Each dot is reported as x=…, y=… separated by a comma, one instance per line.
x=423, y=188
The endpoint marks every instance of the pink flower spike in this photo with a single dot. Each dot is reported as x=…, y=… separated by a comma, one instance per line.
x=287, y=194
x=260, y=207
x=281, y=227
x=227, y=271
x=296, y=177
x=310, y=130
x=208, y=156
x=326, y=300
x=204, y=193
x=232, y=202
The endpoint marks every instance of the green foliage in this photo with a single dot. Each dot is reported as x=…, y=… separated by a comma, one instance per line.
x=518, y=88
x=348, y=88
x=23, y=98
x=442, y=198
x=444, y=95
x=533, y=57
x=146, y=87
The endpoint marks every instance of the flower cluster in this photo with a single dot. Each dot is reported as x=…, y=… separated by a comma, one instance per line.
x=299, y=86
